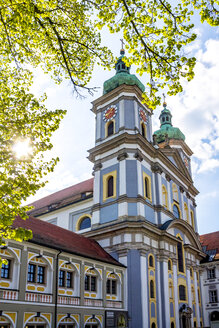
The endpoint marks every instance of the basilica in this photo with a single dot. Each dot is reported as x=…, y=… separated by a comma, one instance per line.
x=140, y=209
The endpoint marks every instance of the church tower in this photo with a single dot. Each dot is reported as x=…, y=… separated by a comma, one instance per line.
x=144, y=210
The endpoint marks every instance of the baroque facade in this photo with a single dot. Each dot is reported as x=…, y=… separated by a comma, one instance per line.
x=140, y=206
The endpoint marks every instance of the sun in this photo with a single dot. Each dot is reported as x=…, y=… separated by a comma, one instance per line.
x=22, y=148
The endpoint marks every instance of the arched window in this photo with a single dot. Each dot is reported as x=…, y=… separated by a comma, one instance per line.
x=172, y=325
x=186, y=212
x=90, y=282
x=67, y=322
x=147, y=186
x=153, y=325
x=176, y=211
x=170, y=290
x=180, y=256
x=111, y=286
x=195, y=324
x=110, y=187
x=143, y=130
x=152, y=294
x=182, y=293
x=110, y=128
x=164, y=197
x=85, y=223
x=169, y=265
x=193, y=295
x=192, y=219
x=191, y=273
x=146, y=183
x=175, y=192
x=151, y=261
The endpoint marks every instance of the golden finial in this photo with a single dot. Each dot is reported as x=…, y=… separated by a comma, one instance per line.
x=122, y=51
x=164, y=101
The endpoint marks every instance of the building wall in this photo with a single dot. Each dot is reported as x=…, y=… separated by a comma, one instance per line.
x=32, y=302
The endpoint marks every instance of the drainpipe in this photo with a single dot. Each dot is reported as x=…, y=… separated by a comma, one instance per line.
x=56, y=287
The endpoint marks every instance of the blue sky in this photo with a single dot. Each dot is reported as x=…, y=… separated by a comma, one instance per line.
x=195, y=111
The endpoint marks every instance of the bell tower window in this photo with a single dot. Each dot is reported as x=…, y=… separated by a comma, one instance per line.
x=110, y=187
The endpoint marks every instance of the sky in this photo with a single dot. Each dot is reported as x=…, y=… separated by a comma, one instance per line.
x=195, y=111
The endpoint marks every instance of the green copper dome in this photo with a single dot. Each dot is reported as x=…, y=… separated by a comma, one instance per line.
x=166, y=128
x=122, y=76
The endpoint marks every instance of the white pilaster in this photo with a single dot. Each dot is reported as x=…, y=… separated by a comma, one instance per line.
x=122, y=175
x=169, y=196
x=97, y=187
x=144, y=291
x=159, y=187
x=140, y=207
x=98, y=126
x=183, y=210
x=122, y=113
x=136, y=115
x=159, y=304
x=165, y=301
x=196, y=298
x=189, y=287
x=123, y=260
x=176, y=295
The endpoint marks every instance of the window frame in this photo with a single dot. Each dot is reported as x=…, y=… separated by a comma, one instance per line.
x=36, y=273
x=8, y=269
x=213, y=298
x=210, y=275
x=107, y=125
x=80, y=220
x=165, y=197
x=111, y=281
x=148, y=195
x=179, y=211
x=65, y=279
x=89, y=283
x=105, y=179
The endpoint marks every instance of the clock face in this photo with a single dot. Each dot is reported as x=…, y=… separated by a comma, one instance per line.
x=142, y=115
x=110, y=113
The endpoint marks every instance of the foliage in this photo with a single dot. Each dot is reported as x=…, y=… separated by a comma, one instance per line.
x=156, y=34
x=22, y=117
x=62, y=37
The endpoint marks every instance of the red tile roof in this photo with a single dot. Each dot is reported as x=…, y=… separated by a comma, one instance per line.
x=52, y=236
x=211, y=241
x=62, y=197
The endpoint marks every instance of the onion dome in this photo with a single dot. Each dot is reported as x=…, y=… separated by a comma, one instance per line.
x=122, y=76
x=166, y=128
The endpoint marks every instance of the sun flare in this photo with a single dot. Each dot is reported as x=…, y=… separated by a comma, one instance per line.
x=22, y=148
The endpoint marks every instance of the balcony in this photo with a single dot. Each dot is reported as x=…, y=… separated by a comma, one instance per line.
x=39, y=298
x=114, y=304
x=93, y=302
x=8, y=294
x=68, y=300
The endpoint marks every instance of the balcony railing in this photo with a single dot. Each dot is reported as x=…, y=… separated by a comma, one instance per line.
x=37, y=297
x=114, y=304
x=68, y=300
x=92, y=302
x=9, y=294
